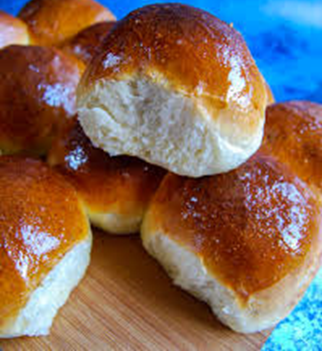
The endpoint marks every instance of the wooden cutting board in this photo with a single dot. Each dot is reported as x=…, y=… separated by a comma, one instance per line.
x=127, y=302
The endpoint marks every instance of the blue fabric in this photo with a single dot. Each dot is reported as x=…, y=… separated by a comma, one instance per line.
x=302, y=330
x=285, y=37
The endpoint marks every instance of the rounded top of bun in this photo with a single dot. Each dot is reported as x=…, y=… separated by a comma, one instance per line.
x=41, y=220
x=12, y=30
x=37, y=89
x=85, y=44
x=250, y=227
x=52, y=22
x=101, y=180
x=293, y=134
x=187, y=50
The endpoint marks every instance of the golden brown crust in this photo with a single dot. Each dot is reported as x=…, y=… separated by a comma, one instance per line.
x=41, y=220
x=86, y=43
x=250, y=227
x=12, y=30
x=270, y=95
x=123, y=185
x=52, y=22
x=37, y=89
x=192, y=51
x=293, y=134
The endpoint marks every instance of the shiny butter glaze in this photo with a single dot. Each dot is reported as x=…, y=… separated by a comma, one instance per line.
x=86, y=43
x=41, y=219
x=122, y=184
x=250, y=227
x=52, y=22
x=12, y=30
x=189, y=51
x=37, y=94
x=293, y=134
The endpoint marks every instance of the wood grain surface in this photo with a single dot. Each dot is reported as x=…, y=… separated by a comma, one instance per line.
x=127, y=302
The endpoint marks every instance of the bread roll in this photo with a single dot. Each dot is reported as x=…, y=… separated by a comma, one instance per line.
x=52, y=22
x=86, y=43
x=293, y=134
x=45, y=243
x=37, y=89
x=12, y=31
x=115, y=190
x=176, y=87
x=247, y=242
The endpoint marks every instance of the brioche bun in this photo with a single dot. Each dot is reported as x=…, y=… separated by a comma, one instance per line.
x=247, y=242
x=115, y=190
x=177, y=87
x=45, y=245
x=52, y=22
x=85, y=44
x=37, y=89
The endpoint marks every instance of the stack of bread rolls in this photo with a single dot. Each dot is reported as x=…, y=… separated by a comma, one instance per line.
x=45, y=239
x=172, y=132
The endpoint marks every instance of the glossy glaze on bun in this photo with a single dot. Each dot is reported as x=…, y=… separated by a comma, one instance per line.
x=52, y=22
x=86, y=43
x=176, y=87
x=42, y=223
x=247, y=242
x=293, y=134
x=115, y=190
x=12, y=31
x=37, y=89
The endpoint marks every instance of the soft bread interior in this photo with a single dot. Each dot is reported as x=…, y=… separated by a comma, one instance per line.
x=144, y=118
x=37, y=316
x=115, y=223
x=261, y=311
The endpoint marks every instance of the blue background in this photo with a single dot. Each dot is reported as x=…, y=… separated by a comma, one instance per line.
x=285, y=38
